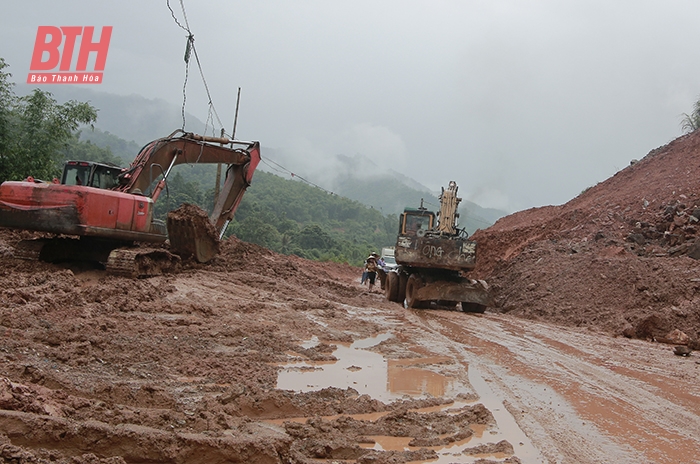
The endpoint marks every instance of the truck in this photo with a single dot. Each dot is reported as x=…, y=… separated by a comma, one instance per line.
x=98, y=212
x=433, y=257
x=389, y=261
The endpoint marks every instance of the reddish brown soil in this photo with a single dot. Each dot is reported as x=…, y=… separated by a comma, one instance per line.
x=616, y=258
x=183, y=368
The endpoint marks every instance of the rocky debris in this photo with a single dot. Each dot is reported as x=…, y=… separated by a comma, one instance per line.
x=502, y=447
x=675, y=337
x=694, y=344
x=622, y=257
x=682, y=350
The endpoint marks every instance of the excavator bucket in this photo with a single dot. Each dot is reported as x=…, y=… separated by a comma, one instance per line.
x=191, y=234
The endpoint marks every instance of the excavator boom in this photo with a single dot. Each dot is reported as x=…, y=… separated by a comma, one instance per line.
x=190, y=234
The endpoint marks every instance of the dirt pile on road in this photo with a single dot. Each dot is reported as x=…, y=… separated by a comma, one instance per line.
x=621, y=257
x=96, y=368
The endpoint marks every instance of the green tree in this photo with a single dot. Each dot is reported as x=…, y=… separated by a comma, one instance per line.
x=7, y=102
x=255, y=230
x=84, y=150
x=312, y=236
x=35, y=129
x=119, y=147
x=691, y=122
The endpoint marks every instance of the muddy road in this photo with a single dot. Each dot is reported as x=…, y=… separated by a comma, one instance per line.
x=263, y=358
x=561, y=395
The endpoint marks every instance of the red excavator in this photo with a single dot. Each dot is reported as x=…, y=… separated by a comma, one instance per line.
x=109, y=208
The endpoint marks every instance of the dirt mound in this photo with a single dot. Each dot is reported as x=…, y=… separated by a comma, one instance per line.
x=621, y=252
x=191, y=233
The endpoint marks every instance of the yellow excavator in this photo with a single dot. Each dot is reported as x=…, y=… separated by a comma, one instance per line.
x=433, y=256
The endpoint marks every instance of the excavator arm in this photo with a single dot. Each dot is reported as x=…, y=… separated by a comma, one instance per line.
x=189, y=235
x=156, y=160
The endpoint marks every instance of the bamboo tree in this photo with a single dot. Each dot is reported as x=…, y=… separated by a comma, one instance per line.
x=691, y=122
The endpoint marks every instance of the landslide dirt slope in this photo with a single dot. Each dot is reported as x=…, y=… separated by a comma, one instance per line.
x=616, y=257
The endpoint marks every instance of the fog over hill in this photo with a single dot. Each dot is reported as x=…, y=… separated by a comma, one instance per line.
x=131, y=117
x=357, y=176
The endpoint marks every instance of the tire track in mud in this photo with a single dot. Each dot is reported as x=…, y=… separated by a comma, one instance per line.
x=556, y=441
x=567, y=399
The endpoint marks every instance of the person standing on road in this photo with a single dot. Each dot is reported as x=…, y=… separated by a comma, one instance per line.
x=371, y=269
x=364, y=273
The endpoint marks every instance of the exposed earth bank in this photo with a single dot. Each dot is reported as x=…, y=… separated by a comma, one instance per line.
x=622, y=257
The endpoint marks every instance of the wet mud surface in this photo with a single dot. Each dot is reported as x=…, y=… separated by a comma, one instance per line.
x=257, y=357
x=260, y=358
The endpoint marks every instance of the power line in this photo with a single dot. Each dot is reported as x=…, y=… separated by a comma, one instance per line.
x=189, y=49
x=284, y=170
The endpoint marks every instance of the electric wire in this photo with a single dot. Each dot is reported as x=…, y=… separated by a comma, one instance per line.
x=191, y=49
x=283, y=170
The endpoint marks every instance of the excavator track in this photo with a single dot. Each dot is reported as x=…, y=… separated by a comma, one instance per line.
x=141, y=262
x=29, y=249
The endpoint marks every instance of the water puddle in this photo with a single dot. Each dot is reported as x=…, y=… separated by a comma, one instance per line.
x=367, y=372
x=388, y=380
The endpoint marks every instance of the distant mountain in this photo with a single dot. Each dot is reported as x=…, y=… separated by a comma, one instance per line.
x=140, y=120
x=391, y=192
x=126, y=151
x=132, y=117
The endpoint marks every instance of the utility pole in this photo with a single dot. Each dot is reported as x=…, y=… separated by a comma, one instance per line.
x=217, y=186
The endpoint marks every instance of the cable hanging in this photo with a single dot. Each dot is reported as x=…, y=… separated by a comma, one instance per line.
x=284, y=170
x=189, y=50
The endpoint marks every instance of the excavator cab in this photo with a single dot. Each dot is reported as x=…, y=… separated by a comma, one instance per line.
x=416, y=222
x=91, y=174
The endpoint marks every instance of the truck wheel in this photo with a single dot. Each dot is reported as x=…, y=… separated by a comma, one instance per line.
x=473, y=307
x=391, y=290
x=413, y=283
x=381, y=275
x=401, y=295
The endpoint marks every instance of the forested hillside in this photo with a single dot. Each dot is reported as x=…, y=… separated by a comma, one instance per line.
x=359, y=178
x=124, y=151
x=294, y=218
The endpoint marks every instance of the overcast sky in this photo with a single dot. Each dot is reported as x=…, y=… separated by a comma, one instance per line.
x=523, y=103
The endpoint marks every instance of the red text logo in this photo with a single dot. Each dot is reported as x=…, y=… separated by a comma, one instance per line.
x=49, y=56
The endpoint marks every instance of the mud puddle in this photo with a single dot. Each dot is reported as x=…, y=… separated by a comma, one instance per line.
x=356, y=367
x=389, y=380
x=508, y=428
